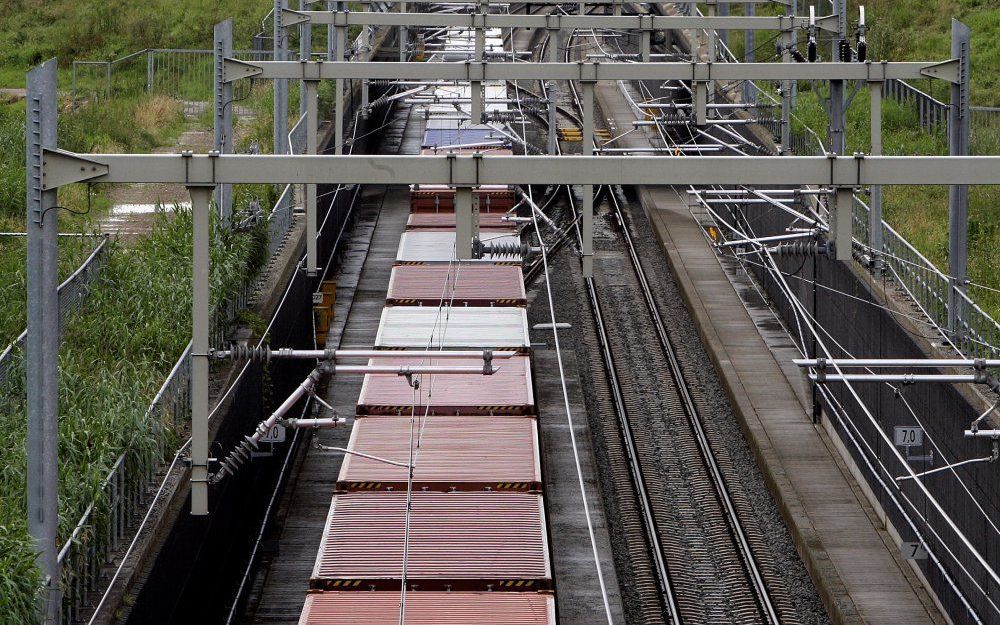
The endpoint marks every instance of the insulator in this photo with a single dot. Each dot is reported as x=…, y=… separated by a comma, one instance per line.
x=797, y=56
x=381, y=82
x=862, y=50
x=499, y=248
x=502, y=116
x=236, y=459
x=845, y=51
x=813, y=51
x=253, y=354
x=799, y=248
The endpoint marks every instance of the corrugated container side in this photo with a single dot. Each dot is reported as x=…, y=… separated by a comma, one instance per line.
x=441, y=198
x=428, y=246
x=446, y=219
x=459, y=285
x=457, y=541
x=468, y=136
x=429, y=608
x=485, y=151
x=509, y=391
x=455, y=454
x=423, y=327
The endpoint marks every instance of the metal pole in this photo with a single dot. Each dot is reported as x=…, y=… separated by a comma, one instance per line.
x=841, y=218
x=305, y=53
x=712, y=52
x=43, y=335
x=149, y=70
x=463, y=223
x=786, y=96
x=750, y=54
x=331, y=34
x=338, y=105
x=550, y=88
x=404, y=35
x=200, y=206
x=280, y=84
x=311, y=100
x=223, y=98
x=840, y=10
x=588, y=189
x=366, y=51
x=476, y=90
x=958, y=195
x=723, y=33
x=875, y=210
x=835, y=132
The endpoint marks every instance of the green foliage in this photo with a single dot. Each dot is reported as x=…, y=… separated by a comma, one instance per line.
x=115, y=356
x=34, y=30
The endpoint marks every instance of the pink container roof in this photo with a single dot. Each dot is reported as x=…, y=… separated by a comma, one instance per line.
x=451, y=453
x=429, y=608
x=459, y=285
x=457, y=541
x=507, y=392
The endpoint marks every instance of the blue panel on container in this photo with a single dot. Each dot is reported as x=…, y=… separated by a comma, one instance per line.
x=470, y=136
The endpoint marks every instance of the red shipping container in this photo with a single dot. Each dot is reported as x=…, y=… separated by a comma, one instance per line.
x=507, y=392
x=429, y=608
x=446, y=219
x=454, y=454
x=457, y=541
x=459, y=285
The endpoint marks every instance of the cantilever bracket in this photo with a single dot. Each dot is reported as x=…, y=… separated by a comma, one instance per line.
x=948, y=71
x=828, y=23
x=233, y=70
x=60, y=167
x=291, y=18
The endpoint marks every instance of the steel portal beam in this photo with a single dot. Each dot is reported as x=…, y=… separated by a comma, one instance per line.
x=477, y=3
x=61, y=168
x=697, y=72
x=552, y=21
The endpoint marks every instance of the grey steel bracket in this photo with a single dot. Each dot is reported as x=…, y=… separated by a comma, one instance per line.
x=948, y=71
x=479, y=20
x=60, y=167
x=233, y=70
x=553, y=21
x=828, y=23
x=588, y=71
x=876, y=71
x=476, y=71
x=311, y=70
x=464, y=172
x=645, y=22
x=291, y=18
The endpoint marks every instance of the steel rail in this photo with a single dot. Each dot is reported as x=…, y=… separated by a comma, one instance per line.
x=644, y=501
x=738, y=533
x=766, y=604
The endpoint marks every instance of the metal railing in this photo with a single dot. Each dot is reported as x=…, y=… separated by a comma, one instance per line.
x=977, y=334
x=184, y=74
x=72, y=291
x=932, y=114
x=107, y=521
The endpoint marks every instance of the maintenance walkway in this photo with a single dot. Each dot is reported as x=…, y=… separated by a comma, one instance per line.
x=852, y=559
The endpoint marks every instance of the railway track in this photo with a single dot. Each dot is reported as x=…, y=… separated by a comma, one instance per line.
x=702, y=564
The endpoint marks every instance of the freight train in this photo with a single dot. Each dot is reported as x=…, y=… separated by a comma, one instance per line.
x=475, y=540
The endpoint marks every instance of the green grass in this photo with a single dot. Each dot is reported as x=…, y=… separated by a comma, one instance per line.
x=115, y=356
x=32, y=31
x=119, y=348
